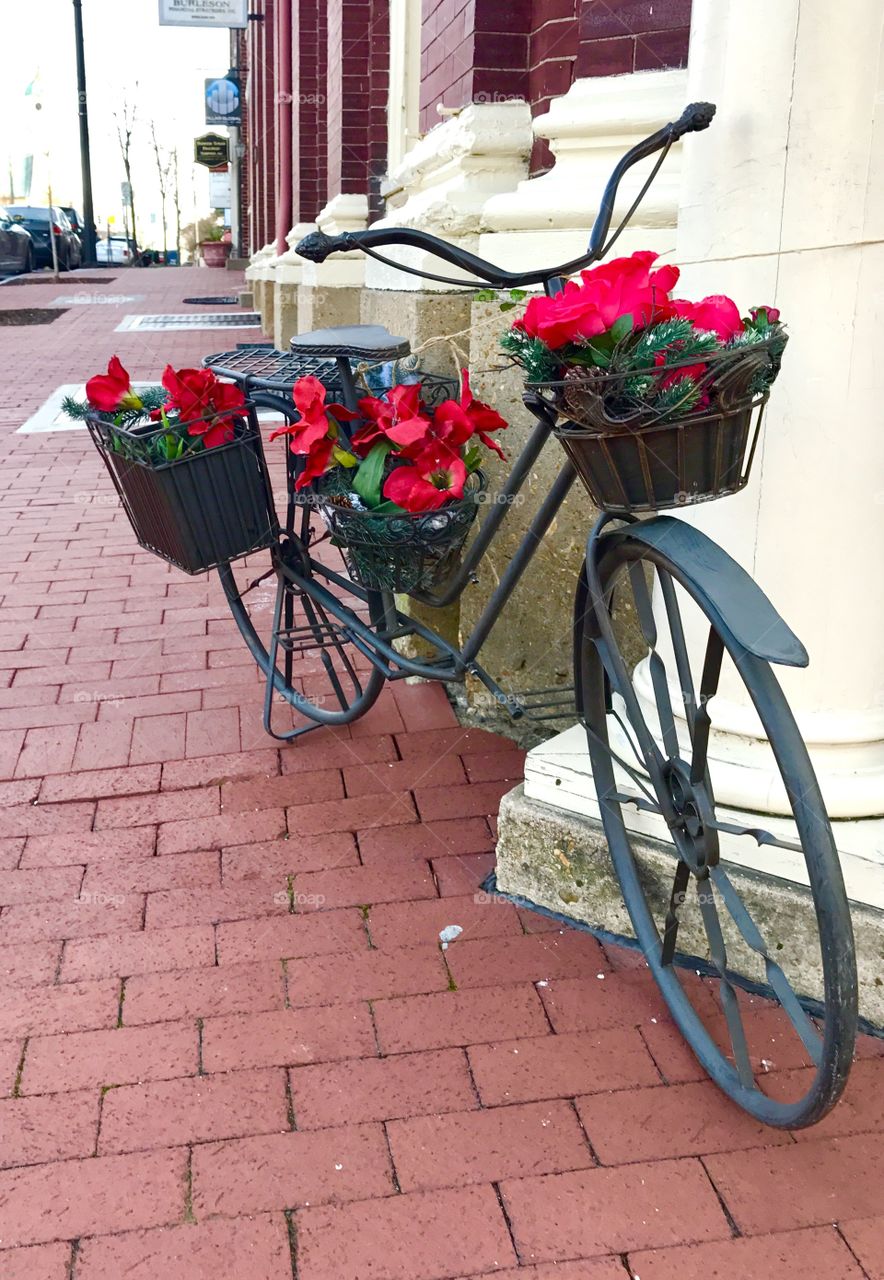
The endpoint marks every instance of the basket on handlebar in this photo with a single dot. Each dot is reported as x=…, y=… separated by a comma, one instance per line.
x=631, y=459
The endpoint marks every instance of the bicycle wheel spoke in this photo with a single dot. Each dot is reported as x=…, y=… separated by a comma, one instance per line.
x=758, y=834
x=780, y=984
x=729, y=1002
x=708, y=687
x=676, y=898
x=680, y=648
x=640, y=780
x=645, y=611
x=650, y=751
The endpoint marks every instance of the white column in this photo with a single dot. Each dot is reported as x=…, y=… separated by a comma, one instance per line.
x=782, y=202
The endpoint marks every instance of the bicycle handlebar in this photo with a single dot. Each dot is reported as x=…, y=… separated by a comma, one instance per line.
x=317, y=246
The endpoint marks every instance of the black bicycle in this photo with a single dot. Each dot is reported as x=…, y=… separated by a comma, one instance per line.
x=327, y=645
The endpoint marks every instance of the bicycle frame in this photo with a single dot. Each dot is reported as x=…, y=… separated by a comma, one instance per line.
x=453, y=663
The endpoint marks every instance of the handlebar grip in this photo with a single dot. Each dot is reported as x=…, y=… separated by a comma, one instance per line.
x=317, y=246
x=696, y=116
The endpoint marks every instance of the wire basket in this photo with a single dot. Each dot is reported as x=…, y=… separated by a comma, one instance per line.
x=203, y=509
x=630, y=459
x=406, y=552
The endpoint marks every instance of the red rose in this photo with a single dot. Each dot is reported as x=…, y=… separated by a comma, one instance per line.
x=716, y=314
x=624, y=286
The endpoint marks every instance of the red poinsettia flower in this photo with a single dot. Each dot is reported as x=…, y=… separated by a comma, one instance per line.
x=313, y=436
x=716, y=314
x=396, y=417
x=624, y=286
x=204, y=403
x=481, y=415
x=436, y=475
x=110, y=391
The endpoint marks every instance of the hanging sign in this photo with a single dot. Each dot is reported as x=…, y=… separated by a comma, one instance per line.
x=211, y=150
x=204, y=13
x=222, y=101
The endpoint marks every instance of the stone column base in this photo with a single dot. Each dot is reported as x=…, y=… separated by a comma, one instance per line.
x=559, y=860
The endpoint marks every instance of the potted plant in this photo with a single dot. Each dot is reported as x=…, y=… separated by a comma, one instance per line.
x=216, y=247
x=398, y=485
x=657, y=400
x=186, y=461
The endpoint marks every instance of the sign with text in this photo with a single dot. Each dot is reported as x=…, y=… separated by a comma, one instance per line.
x=204, y=13
x=211, y=150
x=222, y=101
x=219, y=190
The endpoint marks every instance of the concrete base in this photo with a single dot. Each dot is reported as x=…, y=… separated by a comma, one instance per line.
x=247, y=299
x=237, y=264
x=285, y=314
x=320, y=308
x=560, y=860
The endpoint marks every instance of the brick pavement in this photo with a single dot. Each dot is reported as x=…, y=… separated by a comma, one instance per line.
x=198, y=1081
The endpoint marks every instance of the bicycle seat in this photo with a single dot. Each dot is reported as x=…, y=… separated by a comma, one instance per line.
x=354, y=341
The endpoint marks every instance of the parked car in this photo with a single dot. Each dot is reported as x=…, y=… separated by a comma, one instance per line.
x=16, y=246
x=75, y=220
x=117, y=250
x=43, y=223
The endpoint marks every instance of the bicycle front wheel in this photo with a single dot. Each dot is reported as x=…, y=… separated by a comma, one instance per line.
x=689, y=867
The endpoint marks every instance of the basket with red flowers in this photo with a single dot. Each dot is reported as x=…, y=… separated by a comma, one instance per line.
x=657, y=400
x=397, y=484
x=185, y=461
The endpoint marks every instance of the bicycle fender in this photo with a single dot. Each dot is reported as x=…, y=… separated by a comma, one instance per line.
x=736, y=600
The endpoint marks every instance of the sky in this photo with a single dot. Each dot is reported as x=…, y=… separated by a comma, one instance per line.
x=129, y=56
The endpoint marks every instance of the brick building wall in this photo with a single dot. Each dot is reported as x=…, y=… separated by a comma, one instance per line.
x=357, y=78
x=477, y=50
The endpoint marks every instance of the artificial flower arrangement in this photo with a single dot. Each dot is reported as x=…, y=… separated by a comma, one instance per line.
x=618, y=345
x=394, y=456
x=192, y=411
x=186, y=463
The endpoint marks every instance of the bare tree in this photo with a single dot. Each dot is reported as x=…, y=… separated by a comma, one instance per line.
x=164, y=175
x=176, y=196
x=125, y=123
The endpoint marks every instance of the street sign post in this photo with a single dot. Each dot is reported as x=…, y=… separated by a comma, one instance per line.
x=204, y=13
x=211, y=149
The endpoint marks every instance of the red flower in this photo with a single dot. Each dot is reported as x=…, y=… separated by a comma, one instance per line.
x=313, y=435
x=772, y=313
x=624, y=286
x=204, y=403
x=482, y=416
x=397, y=417
x=436, y=475
x=110, y=391
x=716, y=314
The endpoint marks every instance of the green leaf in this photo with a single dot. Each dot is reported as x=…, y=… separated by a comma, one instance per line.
x=367, y=481
x=518, y=294
x=484, y=295
x=621, y=327
x=388, y=508
x=601, y=354
x=472, y=457
x=507, y=306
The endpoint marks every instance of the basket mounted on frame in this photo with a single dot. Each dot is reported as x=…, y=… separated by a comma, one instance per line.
x=397, y=484
x=186, y=462
x=656, y=400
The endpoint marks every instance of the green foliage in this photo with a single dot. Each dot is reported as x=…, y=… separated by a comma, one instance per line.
x=536, y=359
x=368, y=478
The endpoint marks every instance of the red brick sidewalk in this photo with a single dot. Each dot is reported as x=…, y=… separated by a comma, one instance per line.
x=200, y=1083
